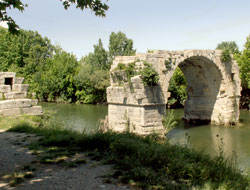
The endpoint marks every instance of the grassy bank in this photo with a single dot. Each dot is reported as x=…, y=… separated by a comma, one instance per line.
x=147, y=163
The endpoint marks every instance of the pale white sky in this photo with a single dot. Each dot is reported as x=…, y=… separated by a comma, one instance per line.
x=4, y=24
x=160, y=24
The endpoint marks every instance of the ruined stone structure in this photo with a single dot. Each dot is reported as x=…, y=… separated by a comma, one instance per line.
x=13, y=97
x=213, y=90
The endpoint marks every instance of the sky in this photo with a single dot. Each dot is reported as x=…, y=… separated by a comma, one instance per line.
x=152, y=25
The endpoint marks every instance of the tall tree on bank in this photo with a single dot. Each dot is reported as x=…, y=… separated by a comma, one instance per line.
x=120, y=45
x=98, y=59
x=228, y=49
x=24, y=53
x=97, y=6
x=243, y=60
x=55, y=81
x=93, y=77
x=230, y=46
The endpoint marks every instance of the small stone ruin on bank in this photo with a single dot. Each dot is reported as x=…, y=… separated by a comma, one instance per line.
x=13, y=97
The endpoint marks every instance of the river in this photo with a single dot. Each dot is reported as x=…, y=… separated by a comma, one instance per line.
x=234, y=140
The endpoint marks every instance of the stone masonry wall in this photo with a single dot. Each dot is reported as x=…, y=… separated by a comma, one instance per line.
x=213, y=90
x=13, y=97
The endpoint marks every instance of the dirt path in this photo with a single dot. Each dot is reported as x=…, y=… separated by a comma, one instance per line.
x=14, y=155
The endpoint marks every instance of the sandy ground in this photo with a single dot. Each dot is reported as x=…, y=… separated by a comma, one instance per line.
x=14, y=155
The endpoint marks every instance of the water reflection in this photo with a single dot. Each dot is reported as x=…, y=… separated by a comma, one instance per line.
x=78, y=117
x=208, y=138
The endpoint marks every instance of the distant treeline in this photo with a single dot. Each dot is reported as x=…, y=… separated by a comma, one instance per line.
x=57, y=76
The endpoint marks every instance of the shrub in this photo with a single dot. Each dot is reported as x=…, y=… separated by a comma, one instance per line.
x=226, y=56
x=149, y=75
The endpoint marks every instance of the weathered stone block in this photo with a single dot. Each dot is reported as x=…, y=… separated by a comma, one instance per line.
x=15, y=95
x=34, y=110
x=18, y=80
x=10, y=112
x=34, y=102
x=7, y=75
x=2, y=81
x=5, y=88
x=20, y=87
x=16, y=103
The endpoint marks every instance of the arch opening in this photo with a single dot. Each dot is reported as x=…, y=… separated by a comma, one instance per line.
x=203, y=85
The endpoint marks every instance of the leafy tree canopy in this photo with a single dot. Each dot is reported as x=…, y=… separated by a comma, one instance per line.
x=54, y=82
x=98, y=59
x=244, y=62
x=230, y=46
x=23, y=53
x=120, y=45
x=177, y=87
x=97, y=6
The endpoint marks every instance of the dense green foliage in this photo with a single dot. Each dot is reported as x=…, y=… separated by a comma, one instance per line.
x=24, y=53
x=230, y=46
x=226, y=56
x=97, y=6
x=55, y=80
x=99, y=58
x=144, y=162
x=93, y=77
x=228, y=49
x=91, y=84
x=177, y=88
x=149, y=75
x=243, y=60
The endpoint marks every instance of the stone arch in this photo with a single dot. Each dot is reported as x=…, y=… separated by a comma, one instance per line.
x=204, y=81
x=213, y=90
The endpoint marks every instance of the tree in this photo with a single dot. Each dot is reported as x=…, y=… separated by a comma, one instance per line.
x=231, y=46
x=120, y=45
x=244, y=62
x=91, y=84
x=98, y=59
x=55, y=81
x=228, y=49
x=177, y=88
x=23, y=53
x=97, y=6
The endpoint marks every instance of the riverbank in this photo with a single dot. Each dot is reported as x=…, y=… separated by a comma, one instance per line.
x=144, y=163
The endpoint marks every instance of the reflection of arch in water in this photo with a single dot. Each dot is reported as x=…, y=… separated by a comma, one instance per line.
x=213, y=90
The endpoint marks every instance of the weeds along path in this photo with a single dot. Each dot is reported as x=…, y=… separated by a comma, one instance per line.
x=22, y=169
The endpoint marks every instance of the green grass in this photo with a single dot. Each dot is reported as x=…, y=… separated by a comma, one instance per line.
x=142, y=161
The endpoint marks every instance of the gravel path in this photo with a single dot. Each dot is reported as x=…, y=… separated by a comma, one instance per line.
x=14, y=155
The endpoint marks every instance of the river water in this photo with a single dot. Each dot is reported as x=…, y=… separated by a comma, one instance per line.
x=235, y=140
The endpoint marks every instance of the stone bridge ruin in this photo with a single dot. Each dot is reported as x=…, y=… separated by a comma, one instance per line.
x=213, y=90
